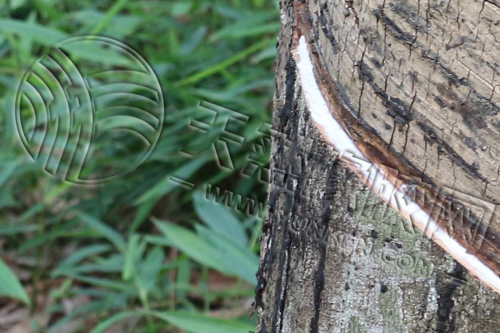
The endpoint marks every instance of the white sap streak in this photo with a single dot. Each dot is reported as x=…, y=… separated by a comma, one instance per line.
x=396, y=198
x=317, y=104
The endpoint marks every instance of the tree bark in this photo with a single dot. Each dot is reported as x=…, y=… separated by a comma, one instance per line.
x=421, y=75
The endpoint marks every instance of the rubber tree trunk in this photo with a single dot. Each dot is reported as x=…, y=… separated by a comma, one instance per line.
x=334, y=256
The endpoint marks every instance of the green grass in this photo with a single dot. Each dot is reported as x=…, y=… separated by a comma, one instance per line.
x=152, y=251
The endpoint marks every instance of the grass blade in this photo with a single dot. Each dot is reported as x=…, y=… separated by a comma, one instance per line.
x=102, y=327
x=220, y=218
x=130, y=258
x=106, y=231
x=112, y=12
x=223, y=65
x=191, y=244
x=10, y=285
x=193, y=322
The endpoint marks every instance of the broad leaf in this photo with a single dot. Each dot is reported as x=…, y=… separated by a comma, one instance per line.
x=193, y=322
x=10, y=285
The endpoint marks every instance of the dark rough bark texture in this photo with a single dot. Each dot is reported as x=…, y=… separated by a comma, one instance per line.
x=334, y=257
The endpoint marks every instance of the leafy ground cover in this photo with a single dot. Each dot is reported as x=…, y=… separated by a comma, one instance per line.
x=172, y=246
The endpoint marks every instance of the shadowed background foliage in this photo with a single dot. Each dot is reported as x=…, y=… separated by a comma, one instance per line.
x=172, y=246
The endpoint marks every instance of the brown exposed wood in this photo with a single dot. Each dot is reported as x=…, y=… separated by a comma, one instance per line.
x=415, y=85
